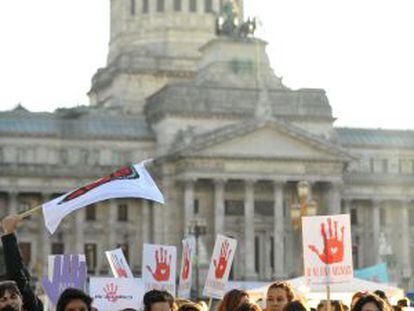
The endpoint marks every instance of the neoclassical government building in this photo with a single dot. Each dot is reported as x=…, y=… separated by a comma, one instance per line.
x=230, y=143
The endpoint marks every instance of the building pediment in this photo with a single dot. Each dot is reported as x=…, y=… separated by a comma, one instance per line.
x=262, y=139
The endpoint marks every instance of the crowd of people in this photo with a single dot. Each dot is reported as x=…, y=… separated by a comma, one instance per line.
x=16, y=293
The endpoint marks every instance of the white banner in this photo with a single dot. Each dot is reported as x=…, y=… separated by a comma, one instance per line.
x=184, y=286
x=128, y=182
x=159, y=267
x=220, y=265
x=118, y=264
x=327, y=249
x=113, y=294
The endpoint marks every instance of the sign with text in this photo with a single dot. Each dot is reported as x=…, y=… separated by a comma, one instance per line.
x=64, y=271
x=118, y=264
x=327, y=249
x=184, y=286
x=220, y=265
x=113, y=294
x=159, y=267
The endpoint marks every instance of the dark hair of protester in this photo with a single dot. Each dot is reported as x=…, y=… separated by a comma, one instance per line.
x=286, y=286
x=404, y=302
x=248, y=306
x=70, y=294
x=295, y=305
x=232, y=300
x=356, y=297
x=396, y=308
x=190, y=306
x=9, y=286
x=153, y=296
x=383, y=296
x=370, y=298
x=336, y=305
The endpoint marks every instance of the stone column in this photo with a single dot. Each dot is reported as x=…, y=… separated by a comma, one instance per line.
x=12, y=203
x=334, y=207
x=406, y=241
x=219, y=214
x=249, y=233
x=145, y=221
x=375, y=231
x=112, y=215
x=79, y=236
x=278, y=231
x=188, y=203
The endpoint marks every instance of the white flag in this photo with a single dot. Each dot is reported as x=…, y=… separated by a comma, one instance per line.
x=118, y=263
x=128, y=182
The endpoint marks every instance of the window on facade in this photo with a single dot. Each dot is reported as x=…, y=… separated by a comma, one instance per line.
x=145, y=6
x=384, y=164
x=90, y=212
x=263, y=208
x=382, y=215
x=26, y=252
x=160, y=5
x=177, y=5
x=57, y=248
x=355, y=255
x=123, y=212
x=257, y=254
x=208, y=6
x=272, y=253
x=411, y=217
x=90, y=254
x=23, y=206
x=193, y=5
x=233, y=207
x=354, y=216
x=196, y=206
x=132, y=7
x=125, y=249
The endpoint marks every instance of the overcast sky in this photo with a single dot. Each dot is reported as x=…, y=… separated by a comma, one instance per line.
x=360, y=51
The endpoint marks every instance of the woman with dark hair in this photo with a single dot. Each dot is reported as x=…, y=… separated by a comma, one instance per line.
x=295, y=305
x=248, y=306
x=369, y=302
x=159, y=300
x=278, y=295
x=73, y=299
x=232, y=300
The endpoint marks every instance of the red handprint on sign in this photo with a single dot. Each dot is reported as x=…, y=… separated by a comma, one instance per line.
x=333, y=250
x=111, y=292
x=121, y=272
x=221, y=265
x=186, y=262
x=162, y=269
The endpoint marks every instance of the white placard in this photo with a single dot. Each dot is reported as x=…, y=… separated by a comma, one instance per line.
x=184, y=286
x=113, y=294
x=220, y=265
x=118, y=264
x=327, y=249
x=159, y=267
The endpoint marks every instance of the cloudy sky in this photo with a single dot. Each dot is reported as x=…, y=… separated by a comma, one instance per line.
x=360, y=51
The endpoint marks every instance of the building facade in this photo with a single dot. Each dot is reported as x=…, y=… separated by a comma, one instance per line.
x=230, y=143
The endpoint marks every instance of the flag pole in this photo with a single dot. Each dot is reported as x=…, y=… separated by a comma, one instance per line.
x=29, y=212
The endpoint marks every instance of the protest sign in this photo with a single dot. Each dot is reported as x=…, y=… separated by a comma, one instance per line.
x=184, y=286
x=159, y=267
x=113, y=294
x=220, y=265
x=128, y=182
x=118, y=264
x=327, y=249
x=64, y=271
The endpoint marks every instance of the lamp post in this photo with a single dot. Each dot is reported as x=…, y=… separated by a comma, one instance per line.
x=197, y=227
x=306, y=205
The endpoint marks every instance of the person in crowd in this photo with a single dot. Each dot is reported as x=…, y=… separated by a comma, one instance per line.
x=369, y=302
x=191, y=306
x=158, y=300
x=232, y=300
x=248, y=306
x=403, y=303
x=15, y=269
x=336, y=305
x=278, y=295
x=295, y=305
x=383, y=296
x=356, y=296
x=10, y=297
x=73, y=299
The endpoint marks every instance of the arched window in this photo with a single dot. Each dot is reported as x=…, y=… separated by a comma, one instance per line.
x=145, y=6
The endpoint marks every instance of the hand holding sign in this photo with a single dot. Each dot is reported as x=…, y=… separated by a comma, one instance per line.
x=186, y=268
x=162, y=269
x=223, y=259
x=333, y=245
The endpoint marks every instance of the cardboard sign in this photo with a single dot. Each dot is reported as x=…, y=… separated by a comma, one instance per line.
x=159, y=267
x=184, y=286
x=113, y=294
x=118, y=264
x=64, y=271
x=327, y=249
x=220, y=265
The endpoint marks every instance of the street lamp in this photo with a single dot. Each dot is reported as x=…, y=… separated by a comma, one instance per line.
x=306, y=205
x=197, y=227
